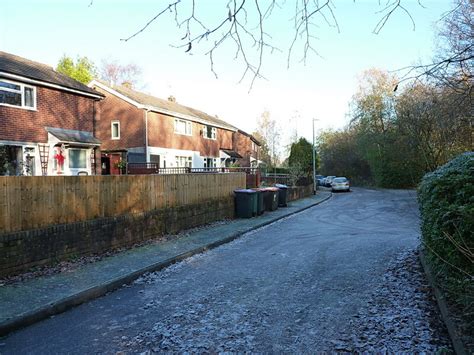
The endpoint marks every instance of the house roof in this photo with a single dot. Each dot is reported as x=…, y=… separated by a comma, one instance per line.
x=231, y=153
x=73, y=136
x=25, y=68
x=166, y=105
x=255, y=140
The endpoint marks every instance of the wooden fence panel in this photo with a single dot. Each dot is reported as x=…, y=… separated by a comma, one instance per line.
x=39, y=201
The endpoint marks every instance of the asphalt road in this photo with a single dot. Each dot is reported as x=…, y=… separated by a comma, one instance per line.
x=299, y=285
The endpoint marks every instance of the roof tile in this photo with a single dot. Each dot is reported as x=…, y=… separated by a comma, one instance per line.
x=168, y=105
x=13, y=64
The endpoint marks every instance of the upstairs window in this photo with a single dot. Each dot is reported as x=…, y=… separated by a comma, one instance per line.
x=16, y=94
x=182, y=127
x=210, y=132
x=115, y=128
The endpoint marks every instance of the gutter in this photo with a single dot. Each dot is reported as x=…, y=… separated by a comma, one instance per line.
x=82, y=144
x=46, y=84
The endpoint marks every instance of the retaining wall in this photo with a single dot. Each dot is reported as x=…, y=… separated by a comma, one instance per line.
x=298, y=192
x=179, y=206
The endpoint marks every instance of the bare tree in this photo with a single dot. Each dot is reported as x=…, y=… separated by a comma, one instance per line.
x=245, y=25
x=453, y=66
x=115, y=73
x=268, y=134
x=434, y=129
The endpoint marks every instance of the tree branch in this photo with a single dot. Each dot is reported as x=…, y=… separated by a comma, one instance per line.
x=168, y=8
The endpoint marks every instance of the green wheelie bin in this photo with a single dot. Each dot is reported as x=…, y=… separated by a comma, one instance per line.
x=245, y=203
x=260, y=200
x=270, y=198
x=282, y=195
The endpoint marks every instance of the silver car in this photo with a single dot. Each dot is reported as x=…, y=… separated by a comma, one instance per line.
x=340, y=184
x=328, y=181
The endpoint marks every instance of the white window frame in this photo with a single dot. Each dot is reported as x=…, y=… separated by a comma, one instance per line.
x=212, y=160
x=188, y=127
x=213, y=132
x=26, y=150
x=69, y=158
x=187, y=160
x=112, y=129
x=21, y=92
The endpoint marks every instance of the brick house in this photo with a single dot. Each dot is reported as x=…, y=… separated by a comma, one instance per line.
x=249, y=147
x=47, y=121
x=140, y=128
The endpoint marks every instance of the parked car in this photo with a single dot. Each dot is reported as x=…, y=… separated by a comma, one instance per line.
x=328, y=180
x=340, y=184
x=320, y=180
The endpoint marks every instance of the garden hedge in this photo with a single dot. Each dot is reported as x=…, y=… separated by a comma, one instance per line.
x=446, y=198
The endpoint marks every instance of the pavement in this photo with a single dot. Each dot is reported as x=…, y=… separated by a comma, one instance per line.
x=30, y=301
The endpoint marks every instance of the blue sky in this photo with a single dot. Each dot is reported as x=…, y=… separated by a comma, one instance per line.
x=44, y=30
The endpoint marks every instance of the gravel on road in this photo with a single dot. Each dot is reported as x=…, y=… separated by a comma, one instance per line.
x=342, y=276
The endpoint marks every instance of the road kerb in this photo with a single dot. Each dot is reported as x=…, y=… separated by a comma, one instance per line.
x=458, y=345
x=66, y=303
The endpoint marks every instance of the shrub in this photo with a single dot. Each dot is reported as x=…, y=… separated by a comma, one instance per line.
x=446, y=198
x=295, y=172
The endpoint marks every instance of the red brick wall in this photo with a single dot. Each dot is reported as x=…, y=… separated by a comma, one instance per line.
x=243, y=146
x=161, y=134
x=132, y=126
x=54, y=109
x=160, y=129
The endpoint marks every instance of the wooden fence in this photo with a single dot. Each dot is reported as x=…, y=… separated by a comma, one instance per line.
x=253, y=174
x=39, y=201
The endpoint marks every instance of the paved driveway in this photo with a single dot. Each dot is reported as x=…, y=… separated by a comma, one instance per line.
x=308, y=282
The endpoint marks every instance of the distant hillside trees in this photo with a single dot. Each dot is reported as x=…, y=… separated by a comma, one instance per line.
x=394, y=138
x=401, y=129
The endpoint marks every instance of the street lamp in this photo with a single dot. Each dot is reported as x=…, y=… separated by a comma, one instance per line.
x=314, y=162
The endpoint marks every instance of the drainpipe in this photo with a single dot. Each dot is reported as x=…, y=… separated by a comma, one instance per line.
x=146, y=135
x=94, y=168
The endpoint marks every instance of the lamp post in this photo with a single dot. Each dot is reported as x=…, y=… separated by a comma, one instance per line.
x=314, y=162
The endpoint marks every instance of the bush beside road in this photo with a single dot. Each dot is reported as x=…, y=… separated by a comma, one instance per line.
x=446, y=198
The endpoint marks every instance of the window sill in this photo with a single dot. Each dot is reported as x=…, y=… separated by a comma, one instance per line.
x=34, y=109
x=184, y=134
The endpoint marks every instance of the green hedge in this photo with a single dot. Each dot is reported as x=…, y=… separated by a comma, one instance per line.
x=446, y=198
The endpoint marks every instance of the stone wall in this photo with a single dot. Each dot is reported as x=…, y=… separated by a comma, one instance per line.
x=20, y=251
x=297, y=192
